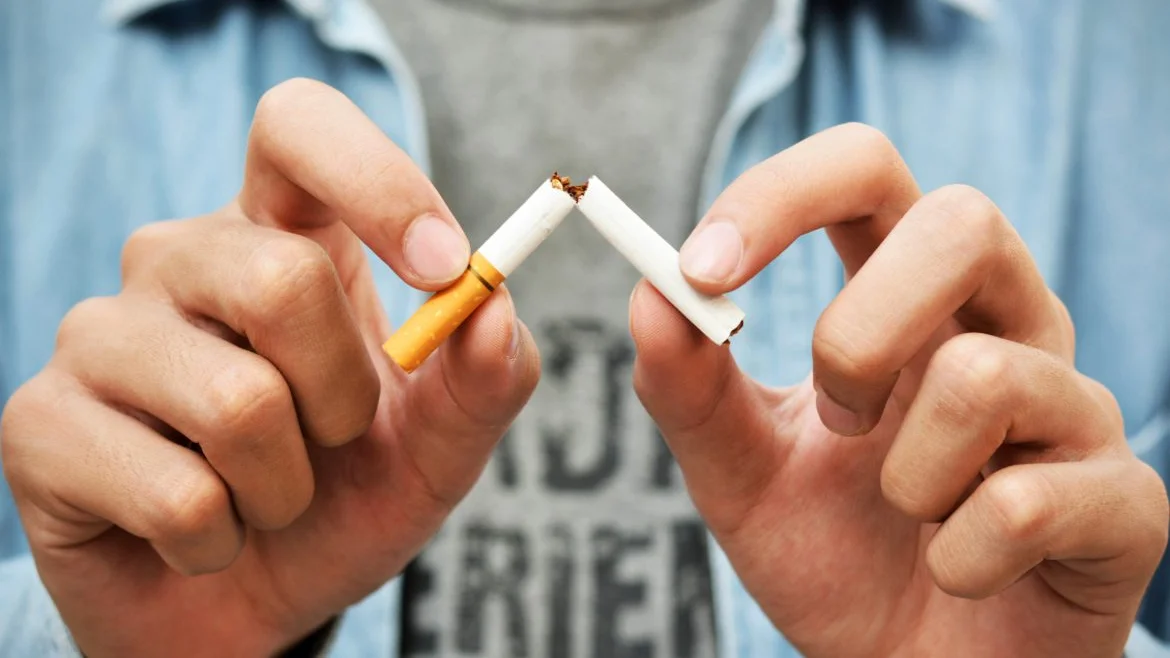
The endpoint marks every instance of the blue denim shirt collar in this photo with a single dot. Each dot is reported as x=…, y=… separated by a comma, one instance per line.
x=121, y=12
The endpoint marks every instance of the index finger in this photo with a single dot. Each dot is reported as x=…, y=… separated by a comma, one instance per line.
x=314, y=159
x=849, y=178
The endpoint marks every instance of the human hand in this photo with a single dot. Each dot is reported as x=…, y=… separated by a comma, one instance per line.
x=945, y=482
x=254, y=333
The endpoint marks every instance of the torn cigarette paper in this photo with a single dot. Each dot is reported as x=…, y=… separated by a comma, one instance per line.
x=717, y=317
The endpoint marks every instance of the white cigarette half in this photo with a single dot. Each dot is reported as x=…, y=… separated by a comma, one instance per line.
x=529, y=226
x=717, y=317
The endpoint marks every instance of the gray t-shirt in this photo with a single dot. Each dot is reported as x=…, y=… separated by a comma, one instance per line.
x=579, y=540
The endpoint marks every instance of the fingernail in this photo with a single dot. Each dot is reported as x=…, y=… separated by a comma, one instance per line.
x=633, y=295
x=630, y=312
x=514, y=341
x=836, y=417
x=712, y=255
x=434, y=250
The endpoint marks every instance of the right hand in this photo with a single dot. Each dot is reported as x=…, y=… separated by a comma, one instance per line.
x=254, y=333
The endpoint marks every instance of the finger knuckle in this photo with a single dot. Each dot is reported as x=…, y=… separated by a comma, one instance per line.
x=1114, y=418
x=902, y=490
x=1150, y=481
x=883, y=174
x=86, y=318
x=974, y=216
x=18, y=406
x=869, y=139
x=949, y=567
x=975, y=375
x=191, y=510
x=965, y=204
x=244, y=399
x=28, y=402
x=1064, y=322
x=147, y=244
x=283, y=274
x=838, y=349
x=1019, y=505
x=1152, y=490
x=286, y=98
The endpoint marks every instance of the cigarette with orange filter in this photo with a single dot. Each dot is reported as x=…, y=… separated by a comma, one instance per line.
x=495, y=261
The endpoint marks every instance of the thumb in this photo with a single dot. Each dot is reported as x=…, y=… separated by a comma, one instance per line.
x=715, y=419
x=453, y=410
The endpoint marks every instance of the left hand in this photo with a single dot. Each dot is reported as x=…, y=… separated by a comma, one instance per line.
x=946, y=482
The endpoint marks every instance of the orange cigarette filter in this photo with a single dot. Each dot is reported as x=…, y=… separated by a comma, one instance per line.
x=495, y=260
x=442, y=314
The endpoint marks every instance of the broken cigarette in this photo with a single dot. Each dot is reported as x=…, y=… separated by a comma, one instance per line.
x=499, y=256
x=717, y=317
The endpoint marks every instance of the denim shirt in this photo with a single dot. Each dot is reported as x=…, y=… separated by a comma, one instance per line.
x=118, y=113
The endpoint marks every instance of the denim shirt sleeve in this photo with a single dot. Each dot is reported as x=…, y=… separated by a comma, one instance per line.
x=29, y=622
x=31, y=626
x=1144, y=645
x=117, y=113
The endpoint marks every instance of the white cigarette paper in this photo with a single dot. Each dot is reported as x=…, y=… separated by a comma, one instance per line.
x=529, y=226
x=717, y=317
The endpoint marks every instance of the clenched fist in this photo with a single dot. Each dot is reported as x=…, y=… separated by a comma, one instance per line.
x=229, y=413
x=945, y=483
